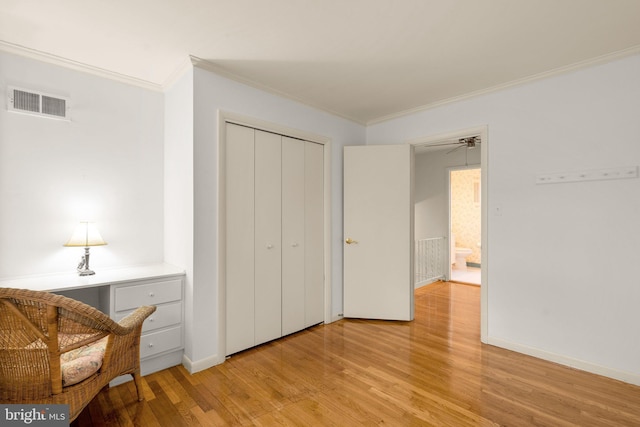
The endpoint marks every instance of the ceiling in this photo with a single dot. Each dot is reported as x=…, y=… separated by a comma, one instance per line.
x=366, y=60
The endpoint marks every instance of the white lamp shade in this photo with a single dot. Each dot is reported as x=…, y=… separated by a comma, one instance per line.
x=86, y=234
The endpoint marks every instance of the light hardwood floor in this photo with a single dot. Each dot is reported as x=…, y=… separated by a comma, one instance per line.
x=432, y=371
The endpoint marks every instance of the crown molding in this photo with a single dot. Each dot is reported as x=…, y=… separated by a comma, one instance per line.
x=182, y=68
x=518, y=82
x=75, y=65
x=193, y=61
x=221, y=71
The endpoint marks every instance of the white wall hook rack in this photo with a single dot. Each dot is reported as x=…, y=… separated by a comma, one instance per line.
x=588, y=175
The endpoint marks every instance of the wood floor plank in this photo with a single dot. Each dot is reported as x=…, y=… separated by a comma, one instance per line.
x=97, y=417
x=190, y=393
x=139, y=412
x=166, y=413
x=433, y=371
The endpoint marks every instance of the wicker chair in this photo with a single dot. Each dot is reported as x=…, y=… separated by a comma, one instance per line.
x=36, y=328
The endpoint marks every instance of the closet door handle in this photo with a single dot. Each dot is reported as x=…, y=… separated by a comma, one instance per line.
x=294, y=245
x=269, y=246
x=350, y=241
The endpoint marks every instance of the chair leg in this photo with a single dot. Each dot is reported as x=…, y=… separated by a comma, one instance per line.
x=137, y=380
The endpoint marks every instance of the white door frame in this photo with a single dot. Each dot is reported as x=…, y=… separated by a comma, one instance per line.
x=484, y=186
x=225, y=117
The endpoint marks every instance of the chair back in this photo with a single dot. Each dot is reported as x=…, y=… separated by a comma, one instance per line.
x=35, y=328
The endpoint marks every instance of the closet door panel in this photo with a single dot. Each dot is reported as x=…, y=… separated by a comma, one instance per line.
x=314, y=233
x=239, y=238
x=268, y=230
x=293, y=238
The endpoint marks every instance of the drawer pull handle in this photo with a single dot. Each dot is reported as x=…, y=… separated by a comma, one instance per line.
x=150, y=344
x=151, y=319
x=151, y=294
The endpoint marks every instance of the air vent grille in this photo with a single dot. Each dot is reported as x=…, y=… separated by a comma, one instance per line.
x=37, y=103
x=54, y=106
x=26, y=101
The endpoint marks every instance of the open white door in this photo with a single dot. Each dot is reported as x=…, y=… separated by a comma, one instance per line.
x=378, y=232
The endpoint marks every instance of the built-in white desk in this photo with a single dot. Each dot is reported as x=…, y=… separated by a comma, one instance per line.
x=119, y=291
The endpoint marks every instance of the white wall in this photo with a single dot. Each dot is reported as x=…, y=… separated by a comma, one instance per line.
x=211, y=94
x=178, y=188
x=560, y=282
x=105, y=165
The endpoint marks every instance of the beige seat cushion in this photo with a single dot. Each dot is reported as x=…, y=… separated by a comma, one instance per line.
x=81, y=363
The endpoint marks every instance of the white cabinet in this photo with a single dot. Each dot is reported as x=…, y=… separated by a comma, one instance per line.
x=274, y=236
x=118, y=292
x=133, y=295
x=162, y=340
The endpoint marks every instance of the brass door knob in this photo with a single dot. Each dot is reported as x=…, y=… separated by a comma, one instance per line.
x=350, y=241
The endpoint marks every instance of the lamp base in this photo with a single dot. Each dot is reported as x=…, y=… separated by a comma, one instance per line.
x=86, y=272
x=83, y=266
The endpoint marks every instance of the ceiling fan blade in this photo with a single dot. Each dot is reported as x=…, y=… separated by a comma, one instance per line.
x=441, y=144
x=469, y=142
x=457, y=148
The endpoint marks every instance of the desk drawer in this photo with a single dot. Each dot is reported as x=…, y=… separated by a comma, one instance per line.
x=165, y=315
x=157, y=342
x=128, y=297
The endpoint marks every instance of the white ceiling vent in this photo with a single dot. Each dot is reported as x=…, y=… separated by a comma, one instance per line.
x=37, y=103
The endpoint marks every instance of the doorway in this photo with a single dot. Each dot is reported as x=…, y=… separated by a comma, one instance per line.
x=465, y=230
x=458, y=157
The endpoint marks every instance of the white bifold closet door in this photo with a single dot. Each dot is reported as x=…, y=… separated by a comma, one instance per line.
x=314, y=233
x=293, y=243
x=240, y=236
x=274, y=234
x=268, y=240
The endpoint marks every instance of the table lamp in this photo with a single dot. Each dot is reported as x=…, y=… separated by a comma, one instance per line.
x=85, y=234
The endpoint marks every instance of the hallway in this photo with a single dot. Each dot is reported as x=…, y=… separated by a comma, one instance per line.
x=470, y=276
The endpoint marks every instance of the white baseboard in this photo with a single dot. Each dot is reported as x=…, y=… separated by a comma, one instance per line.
x=336, y=318
x=201, y=365
x=624, y=376
x=426, y=282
